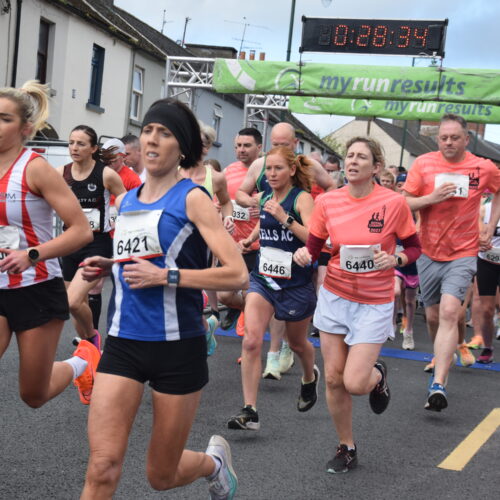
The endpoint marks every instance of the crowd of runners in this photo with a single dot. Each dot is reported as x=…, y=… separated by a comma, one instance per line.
x=275, y=241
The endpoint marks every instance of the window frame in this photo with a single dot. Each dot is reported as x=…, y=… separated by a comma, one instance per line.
x=96, y=75
x=136, y=95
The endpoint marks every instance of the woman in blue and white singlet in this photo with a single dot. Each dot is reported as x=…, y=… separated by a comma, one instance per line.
x=278, y=286
x=163, y=232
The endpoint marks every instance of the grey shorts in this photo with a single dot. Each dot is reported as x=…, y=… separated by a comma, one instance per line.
x=437, y=278
x=360, y=323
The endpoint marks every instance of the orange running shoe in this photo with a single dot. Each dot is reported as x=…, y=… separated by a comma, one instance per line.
x=85, y=382
x=430, y=366
x=465, y=356
x=404, y=323
x=476, y=342
x=240, y=325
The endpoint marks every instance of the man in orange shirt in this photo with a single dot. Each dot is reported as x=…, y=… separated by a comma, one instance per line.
x=446, y=187
x=248, y=146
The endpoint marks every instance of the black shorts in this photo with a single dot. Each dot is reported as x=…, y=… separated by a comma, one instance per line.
x=102, y=246
x=488, y=277
x=173, y=367
x=324, y=258
x=250, y=259
x=32, y=306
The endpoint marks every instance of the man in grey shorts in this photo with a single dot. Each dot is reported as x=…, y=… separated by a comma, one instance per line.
x=446, y=187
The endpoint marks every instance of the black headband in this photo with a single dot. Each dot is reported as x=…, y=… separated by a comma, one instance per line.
x=175, y=119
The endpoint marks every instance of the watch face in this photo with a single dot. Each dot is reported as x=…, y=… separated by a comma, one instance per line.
x=173, y=277
x=33, y=254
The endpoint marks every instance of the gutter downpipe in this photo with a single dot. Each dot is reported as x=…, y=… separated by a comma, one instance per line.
x=16, y=43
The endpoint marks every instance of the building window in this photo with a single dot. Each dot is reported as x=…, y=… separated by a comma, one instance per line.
x=216, y=120
x=42, y=54
x=96, y=73
x=300, y=148
x=137, y=92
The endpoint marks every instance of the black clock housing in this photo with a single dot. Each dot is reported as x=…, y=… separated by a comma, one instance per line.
x=374, y=36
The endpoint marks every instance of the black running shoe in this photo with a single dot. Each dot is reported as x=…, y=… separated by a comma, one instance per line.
x=314, y=332
x=343, y=460
x=380, y=395
x=246, y=419
x=309, y=393
x=230, y=319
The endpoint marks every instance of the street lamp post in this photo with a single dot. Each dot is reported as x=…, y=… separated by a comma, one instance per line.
x=325, y=3
x=290, y=31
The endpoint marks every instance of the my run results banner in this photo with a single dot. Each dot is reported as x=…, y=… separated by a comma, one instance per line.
x=402, y=83
x=399, y=110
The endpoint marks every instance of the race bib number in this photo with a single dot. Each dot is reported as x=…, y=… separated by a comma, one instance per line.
x=239, y=212
x=493, y=255
x=113, y=214
x=275, y=263
x=94, y=217
x=10, y=237
x=358, y=258
x=136, y=235
x=461, y=183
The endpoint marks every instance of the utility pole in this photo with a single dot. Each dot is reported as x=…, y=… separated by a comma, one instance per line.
x=325, y=3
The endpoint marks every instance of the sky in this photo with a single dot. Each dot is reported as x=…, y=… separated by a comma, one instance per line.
x=471, y=39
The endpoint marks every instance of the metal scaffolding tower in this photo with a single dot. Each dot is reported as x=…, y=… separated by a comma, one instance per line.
x=185, y=74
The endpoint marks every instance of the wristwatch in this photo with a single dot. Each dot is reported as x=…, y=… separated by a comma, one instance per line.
x=173, y=277
x=33, y=255
x=289, y=221
x=399, y=260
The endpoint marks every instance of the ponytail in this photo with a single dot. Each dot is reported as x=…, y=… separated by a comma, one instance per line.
x=32, y=100
x=303, y=167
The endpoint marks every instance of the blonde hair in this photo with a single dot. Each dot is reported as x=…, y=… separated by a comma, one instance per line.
x=32, y=100
x=302, y=177
x=208, y=133
x=389, y=174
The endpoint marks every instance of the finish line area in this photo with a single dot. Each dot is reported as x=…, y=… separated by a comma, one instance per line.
x=387, y=352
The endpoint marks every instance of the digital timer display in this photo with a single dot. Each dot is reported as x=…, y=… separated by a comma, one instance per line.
x=373, y=36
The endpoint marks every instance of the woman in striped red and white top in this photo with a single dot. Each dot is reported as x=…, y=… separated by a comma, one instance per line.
x=33, y=301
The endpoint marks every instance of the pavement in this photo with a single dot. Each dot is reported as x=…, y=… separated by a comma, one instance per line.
x=45, y=451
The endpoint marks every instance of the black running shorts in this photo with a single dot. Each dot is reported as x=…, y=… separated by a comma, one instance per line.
x=32, y=306
x=488, y=277
x=171, y=367
x=102, y=246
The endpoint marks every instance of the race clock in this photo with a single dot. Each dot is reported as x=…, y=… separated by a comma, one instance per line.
x=374, y=36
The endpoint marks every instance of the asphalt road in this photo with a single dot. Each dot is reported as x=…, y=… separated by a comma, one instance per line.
x=44, y=451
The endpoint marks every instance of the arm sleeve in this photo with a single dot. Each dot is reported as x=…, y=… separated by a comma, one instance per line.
x=412, y=248
x=314, y=245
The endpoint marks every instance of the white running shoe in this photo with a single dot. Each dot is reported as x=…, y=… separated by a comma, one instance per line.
x=223, y=486
x=408, y=342
x=286, y=358
x=272, y=370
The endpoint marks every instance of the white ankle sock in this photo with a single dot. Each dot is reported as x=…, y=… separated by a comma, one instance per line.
x=79, y=365
x=218, y=465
